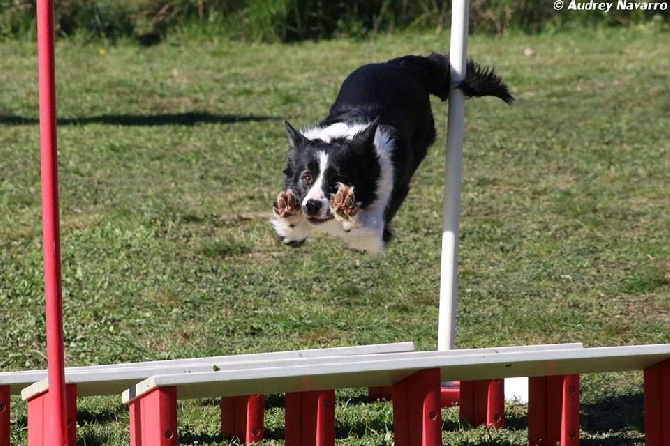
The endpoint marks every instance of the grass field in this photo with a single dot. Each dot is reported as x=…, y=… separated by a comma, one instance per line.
x=170, y=158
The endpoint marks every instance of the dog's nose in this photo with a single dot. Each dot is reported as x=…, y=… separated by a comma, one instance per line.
x=313, y=206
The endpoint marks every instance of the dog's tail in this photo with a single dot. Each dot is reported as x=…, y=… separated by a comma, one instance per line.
x=435, y=72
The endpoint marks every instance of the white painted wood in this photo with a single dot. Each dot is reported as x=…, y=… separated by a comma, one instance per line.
x=114, y=381
x=387, y=370
x=18, y=380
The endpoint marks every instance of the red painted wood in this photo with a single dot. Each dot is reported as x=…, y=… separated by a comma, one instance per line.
x=71, y=410
x=240, y=417
x=39, y=417
x=135, y=416
x=652, y=407
x=4, y=415
x=243, y=417
x=153, y=418
x=249, y=418
x=293, y=419
x=256, y=420
x=570, y=411
x=467, y=403
x=401, y=413
x=657, y=404
x=495, y=403
x=227, y=406
x=482, y=402
x=480, y=409
x=325, y=418
x=537, y=411
x=553, y=410
x=56, y=422
x=417, y=417
x=665, y=401
x=428, y=398
x=36, y=420
x=310, y=418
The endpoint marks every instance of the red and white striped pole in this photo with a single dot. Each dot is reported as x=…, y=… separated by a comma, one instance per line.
x=56, y=419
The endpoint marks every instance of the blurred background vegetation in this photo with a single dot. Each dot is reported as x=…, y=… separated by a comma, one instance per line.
x=295, y=20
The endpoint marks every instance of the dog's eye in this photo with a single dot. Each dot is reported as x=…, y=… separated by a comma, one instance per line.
x=307, y=178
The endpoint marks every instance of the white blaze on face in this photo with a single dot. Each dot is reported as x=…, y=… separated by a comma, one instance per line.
x=316, y=191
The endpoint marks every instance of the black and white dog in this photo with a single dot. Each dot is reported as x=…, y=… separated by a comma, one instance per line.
x=349, y=175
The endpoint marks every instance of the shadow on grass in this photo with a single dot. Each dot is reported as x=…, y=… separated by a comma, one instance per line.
x=271, y=401
x=620, y=414
x=516, y=421
x=184, y=119
x=84, y=416
x=356, y=430
x=186, y=436
x=101, y=416
x=274, y=401
x=94, y=439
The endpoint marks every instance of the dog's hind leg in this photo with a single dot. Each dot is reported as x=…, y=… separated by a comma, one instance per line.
x=397, y=198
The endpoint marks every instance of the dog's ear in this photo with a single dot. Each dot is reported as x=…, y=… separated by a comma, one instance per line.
x=295, y=138
x=366, y=137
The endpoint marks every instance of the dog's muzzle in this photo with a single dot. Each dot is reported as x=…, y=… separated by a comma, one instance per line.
x=316, y=211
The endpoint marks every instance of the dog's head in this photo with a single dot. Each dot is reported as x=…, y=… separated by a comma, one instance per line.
x=316, y=166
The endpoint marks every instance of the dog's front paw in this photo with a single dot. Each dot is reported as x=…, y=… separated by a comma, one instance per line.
x=286, y=205
x=288, y=220
x=343, y=206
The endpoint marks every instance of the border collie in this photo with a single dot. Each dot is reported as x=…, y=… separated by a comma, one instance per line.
x=350, y=173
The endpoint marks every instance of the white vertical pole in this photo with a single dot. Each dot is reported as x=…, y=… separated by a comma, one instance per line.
x=452, y=185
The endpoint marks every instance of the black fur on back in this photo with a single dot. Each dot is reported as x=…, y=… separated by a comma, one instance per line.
x=436, y=74
x=432, y=70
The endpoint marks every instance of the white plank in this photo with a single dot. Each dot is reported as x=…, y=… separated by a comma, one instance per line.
x=112, y=382
x=18, y=380
x=387, y=370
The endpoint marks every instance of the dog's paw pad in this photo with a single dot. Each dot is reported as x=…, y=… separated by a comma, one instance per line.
x=343, y=203
x=286, y=205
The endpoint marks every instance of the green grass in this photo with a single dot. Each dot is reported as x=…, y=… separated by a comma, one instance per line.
x=170, y=158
